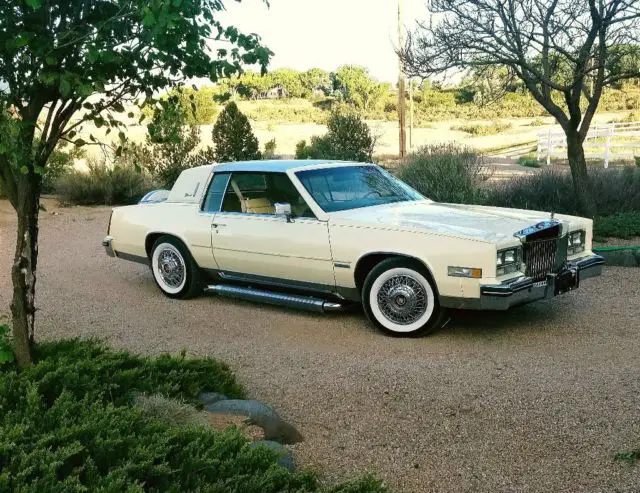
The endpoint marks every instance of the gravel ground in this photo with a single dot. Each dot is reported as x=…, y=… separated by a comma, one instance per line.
x=536, y=399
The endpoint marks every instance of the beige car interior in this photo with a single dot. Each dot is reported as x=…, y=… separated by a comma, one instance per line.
x=278, y=188
x=252, y=206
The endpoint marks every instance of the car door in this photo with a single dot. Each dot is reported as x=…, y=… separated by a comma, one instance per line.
x=251, y=242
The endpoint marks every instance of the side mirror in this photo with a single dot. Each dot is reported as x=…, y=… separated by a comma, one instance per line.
x=283, y=209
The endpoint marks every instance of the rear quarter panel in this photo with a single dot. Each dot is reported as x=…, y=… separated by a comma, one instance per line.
x=131, y=225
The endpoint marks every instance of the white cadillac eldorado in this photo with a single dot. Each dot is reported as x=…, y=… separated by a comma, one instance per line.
x=322, y=235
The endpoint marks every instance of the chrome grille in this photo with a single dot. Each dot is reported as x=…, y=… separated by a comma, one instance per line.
x=540, y=257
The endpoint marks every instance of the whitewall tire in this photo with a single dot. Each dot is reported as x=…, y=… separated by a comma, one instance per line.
x=399, y=298
x=174, y=271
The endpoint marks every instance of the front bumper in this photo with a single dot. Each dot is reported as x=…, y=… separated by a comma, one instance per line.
x=107, y=244
x=525, y=290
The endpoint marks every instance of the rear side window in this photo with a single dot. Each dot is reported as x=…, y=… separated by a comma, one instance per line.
x=216, y=192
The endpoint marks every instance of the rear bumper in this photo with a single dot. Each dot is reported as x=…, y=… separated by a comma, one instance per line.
x=107, y=244
x=524, y=290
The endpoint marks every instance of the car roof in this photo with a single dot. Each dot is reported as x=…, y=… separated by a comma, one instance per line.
x=276, y=165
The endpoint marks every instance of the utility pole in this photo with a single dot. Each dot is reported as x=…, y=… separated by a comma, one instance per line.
x=401, y=88
x=410, y=114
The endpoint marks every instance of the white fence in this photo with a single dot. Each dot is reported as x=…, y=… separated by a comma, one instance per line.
x=605, y=141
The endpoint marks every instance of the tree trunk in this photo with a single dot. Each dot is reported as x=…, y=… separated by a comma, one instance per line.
x=578, y=165
x=23, y=271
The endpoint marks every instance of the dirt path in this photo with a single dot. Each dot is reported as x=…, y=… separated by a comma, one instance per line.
x=537, y=399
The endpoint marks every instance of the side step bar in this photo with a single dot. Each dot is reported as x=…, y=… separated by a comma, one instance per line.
x=273, y=298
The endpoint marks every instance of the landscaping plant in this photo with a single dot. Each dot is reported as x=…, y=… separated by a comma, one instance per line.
x=233, y=137
x=68, y=423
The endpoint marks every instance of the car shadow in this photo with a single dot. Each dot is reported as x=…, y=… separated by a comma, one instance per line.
x=526, y=317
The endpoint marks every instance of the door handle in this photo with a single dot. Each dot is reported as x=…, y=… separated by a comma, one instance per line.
x=216, y=226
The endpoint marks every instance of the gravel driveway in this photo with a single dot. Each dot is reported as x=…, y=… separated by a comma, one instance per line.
x=537, y=399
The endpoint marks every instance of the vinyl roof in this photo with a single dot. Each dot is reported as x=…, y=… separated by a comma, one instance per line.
x=274, y=165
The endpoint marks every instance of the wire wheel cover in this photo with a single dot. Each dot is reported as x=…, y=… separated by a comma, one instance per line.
x=171, y=268
x=402, y=299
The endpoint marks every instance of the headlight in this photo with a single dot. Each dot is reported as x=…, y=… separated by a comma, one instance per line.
x=575, y=242
x=508, y=261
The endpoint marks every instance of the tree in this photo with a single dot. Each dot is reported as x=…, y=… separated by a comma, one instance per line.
x=348, y=138
x=233, y=137
x=358, y=88
x=564, y=52
x=288, y=79
x=316, y=79
x=69, y=62
x=171, y=145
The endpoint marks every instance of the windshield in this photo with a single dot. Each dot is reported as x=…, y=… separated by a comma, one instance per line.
x=351, y=187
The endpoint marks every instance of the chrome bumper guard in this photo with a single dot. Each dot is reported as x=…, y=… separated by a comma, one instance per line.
x=525, y=290
x=106, y=243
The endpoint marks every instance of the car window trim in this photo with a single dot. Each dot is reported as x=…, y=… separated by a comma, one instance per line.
x=231, y=173
x=209, y=185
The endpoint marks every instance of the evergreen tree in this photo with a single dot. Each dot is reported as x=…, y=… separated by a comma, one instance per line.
x=233, y=137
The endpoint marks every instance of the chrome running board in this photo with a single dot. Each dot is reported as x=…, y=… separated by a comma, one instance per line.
x=273, y=298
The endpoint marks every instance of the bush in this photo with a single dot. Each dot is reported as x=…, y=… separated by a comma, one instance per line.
x=233, y=137
x=446, y=173
x=614, y=190
x=269, y=149
x=482, y=130
x=120, y=184
x=59, y=163
x=529, y=162
x=348, y=138
x=68, y=425
x=621, y=225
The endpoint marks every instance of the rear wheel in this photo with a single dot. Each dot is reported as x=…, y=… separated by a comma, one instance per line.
x=174, y=271
x=400, y=299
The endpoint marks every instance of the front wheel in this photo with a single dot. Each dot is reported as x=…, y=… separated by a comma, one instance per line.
x=400, y=300
x=174, y=271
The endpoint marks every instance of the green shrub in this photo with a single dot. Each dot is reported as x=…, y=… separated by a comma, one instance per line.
x=233, y=137
x=621, y=225
x=481, y=129
x=529, y=162
x=269, y=149
x=551, y=189
x=348, y=138
x=59, y=163
x=102, y=184
x=68, y=425
x=446, y=173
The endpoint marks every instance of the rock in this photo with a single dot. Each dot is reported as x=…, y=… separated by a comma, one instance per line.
x=224, y=421
x=278, y=430
x=261, y=415
x=250, y=408
x=285, y=459
x=211, y=397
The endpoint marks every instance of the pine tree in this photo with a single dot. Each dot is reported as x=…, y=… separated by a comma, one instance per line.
x=233, y=137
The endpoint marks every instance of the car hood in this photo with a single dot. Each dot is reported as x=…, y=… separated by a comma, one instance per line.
x=491, y=224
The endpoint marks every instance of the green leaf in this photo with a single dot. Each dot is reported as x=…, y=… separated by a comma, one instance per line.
x=65, y=87
x=24, y=170
x=131, y=114
x=79, y=142
x=6, y=355
x=119, y=151
x=118, y=107
x=34, y=4
x=149, y=19
x=51, y=60
x=122, y=136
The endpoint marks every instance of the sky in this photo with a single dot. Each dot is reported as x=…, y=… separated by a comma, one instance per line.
x=327, y=33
